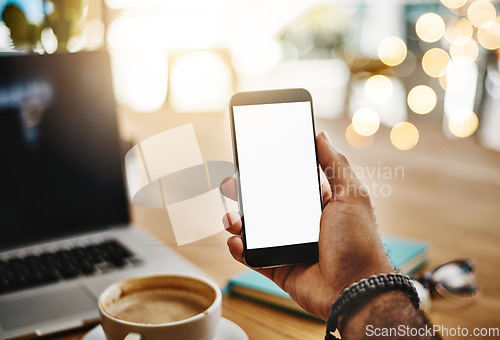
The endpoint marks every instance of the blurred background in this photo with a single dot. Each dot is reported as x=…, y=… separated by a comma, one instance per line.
x=397, y=64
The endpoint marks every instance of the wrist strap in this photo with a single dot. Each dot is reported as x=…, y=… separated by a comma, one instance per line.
x=366, y=288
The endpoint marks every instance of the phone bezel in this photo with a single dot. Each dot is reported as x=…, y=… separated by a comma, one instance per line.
x=280, y=255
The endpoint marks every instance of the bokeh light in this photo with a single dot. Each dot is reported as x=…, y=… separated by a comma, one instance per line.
x=430, y=27
x=379, y=89
x=392, y=51
x=435, y=61
x=488, y=35
x=48, y=40
x=255, y=58
x=95, y=34
x=365, y=121
x=464, y=50
x=456, y=77
x=356, y=140
x=452, y=4
x=457, y=28
x=203, y=76
x=422, y=99
x=443, y=81
x=463, y=123
x=404, y=136
x=481, y=12
x=145, y=82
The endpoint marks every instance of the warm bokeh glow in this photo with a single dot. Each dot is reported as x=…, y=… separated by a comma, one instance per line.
x=464, y=50
x=443, y=81
x=179, y=30
x=95, y=34
x=463, y=123
x=404, y=136
x=488, y=35
x=48, y=40
x=365, y=122
x=144, y=78
x=422, y=99
x=392, y=51
x=379, y=89
x=481, y=12
x=456, y=28
x=453, y=4
x=456, y=77
x=254, y=57
x=356, y=140
x=430, y=27
x=435, y=61
x=200, y=82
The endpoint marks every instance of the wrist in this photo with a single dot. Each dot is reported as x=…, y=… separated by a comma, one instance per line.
x=361, y=293
x=353, y=323
x=385, y=267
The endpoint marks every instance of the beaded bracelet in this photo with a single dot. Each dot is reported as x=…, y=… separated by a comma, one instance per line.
x=365, y=288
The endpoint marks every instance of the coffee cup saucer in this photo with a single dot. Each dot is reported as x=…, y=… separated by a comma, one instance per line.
x=226, y=330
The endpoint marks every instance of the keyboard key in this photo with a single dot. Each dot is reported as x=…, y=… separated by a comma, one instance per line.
x=35, y=270
x=86, y=267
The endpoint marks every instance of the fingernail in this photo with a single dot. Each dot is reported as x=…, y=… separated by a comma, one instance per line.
x=226, y=222
x=225, y=180
x=221, y=185
x=325, y=136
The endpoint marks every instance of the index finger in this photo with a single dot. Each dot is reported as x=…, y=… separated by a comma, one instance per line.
x=228, y=188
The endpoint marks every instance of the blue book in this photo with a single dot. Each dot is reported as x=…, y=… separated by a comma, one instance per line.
x=405, y=254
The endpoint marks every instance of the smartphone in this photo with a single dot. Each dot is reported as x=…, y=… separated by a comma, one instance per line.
x=277, y=171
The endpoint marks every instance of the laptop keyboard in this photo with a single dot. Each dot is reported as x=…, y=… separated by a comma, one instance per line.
x=38, y=269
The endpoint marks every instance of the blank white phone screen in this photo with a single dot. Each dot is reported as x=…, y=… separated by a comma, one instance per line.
x=278, y=173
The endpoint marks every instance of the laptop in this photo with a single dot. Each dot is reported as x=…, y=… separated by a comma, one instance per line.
x=65, y=232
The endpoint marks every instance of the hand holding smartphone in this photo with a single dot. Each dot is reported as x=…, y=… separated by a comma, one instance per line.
x=279, y=189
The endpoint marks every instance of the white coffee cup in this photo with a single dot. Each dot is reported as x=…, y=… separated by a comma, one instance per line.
x=163, y=306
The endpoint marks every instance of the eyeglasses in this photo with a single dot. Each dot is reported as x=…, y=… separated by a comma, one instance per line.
x=454, y=280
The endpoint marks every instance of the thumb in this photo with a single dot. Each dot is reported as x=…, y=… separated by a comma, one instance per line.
x=344, y=183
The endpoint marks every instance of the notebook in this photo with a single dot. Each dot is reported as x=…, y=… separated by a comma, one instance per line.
x=407, y=255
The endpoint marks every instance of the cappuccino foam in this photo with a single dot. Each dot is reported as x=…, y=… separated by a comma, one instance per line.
x=158, y=306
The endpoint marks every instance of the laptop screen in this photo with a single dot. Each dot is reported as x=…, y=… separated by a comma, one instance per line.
x=60, y=160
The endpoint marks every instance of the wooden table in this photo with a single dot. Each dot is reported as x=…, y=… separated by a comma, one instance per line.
x=449, y=195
